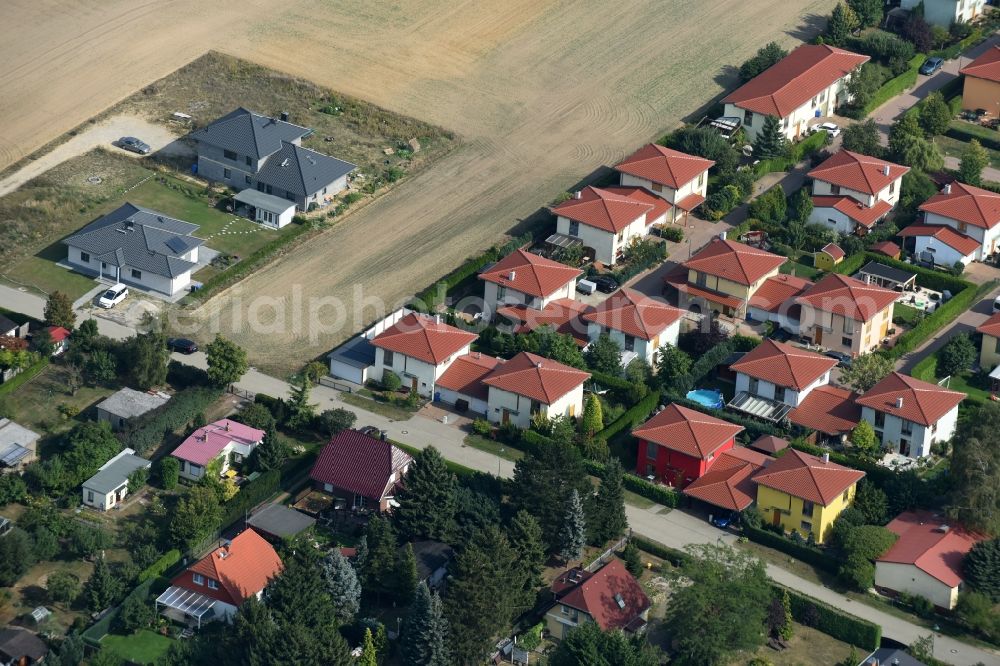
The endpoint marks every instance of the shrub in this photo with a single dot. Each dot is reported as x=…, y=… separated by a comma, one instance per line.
x=632, y=417
x=148, y=430
x=808, y=554
x=391, y=381
x=160, y=566
x=674, y=234
x=482, y=427
x=834, y=622
x=277, y=406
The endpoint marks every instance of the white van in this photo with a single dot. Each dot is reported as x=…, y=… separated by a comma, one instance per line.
x=113, y=296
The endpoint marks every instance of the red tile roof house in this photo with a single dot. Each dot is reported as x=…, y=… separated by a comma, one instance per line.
x=360, y=469
x=528, y=384
x=777, y=376
x=606, y=220
x=462, y=385
x=845, y=314
x=678, y=178
x=981, y=88
x=970, y=211
x=610, y=596
x=60, y=339
x=909, y=415
x=723, y=277
x=563, y=314
x=419, y=348
x=639, y=324
x=225, y=440
x=214, y=587
x=852, y=192
x=830, y=412
x=525, y=279
x=729, y=484
x=774, y=301
x=940, y=245
x=808, y=83
x=679, y=445
x=926, y=560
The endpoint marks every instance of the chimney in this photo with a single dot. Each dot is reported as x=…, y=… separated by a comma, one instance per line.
x=437, y=319
x=538, y=364
x=885, y=170
x=722, y=236
x=577, y=194
x=947, y=188
x=826, y=458
x=899, y=402
x=284, y=116
x=227, y=426
x=512, y=275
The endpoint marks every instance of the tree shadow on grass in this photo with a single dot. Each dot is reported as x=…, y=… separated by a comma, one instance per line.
x=811, y=25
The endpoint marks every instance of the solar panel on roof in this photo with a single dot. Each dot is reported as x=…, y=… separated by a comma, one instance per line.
x=176, y=244
x=14, y=455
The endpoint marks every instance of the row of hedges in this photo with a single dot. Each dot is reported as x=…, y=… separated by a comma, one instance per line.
x=23, y=377
x=805, y=609
x=633, y=268
x=852, y=264
x=896, y=85
x=183, y=407
x=160, y=566
x=432, y=296
x=953, y=89
x=632, y=417
x=966, y=132
x=252, y=262
x=798, y=152
x=93, y=635
x=701, y=368
x=800, y=551
x=619, y=389
x=957, y=48
x=926, y=277
x=931, y=324
x=251, y=493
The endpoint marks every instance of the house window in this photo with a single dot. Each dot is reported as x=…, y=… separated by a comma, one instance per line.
x=574, y=228
x=879, y=419
x=754, y=386
x=621, y=236
x=657, y=187
x=247, y=179
x=651, y=449
x=226, y=173
x=387, y=358
x=906, y=427
x=229, y=154
x=249, y=163
x=834, y=189
x=785, y=124
x=213, y=584
x=194, y=470
x=629, y=343
x=807, y=508
x=848, y=326
x=779, y=393
x=963, y=227
x=324, y=190
x=996, y=345
x=806, y=526
x=84, y=257
x=137, y=274
x=748, y=118
x=701, y=279
x=701, y=179
x=847, y=342
x=892, y=187
x=359, y=501
x=535, y=406
x=90, y=496
x=268, y=189
x=198, y=579
x=814, y=100
x=822, y=97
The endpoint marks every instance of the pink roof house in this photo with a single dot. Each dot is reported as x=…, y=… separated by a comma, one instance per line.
x=225, y=439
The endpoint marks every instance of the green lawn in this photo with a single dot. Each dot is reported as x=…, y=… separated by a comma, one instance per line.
x=386, y=409
x=801, y=270
x=965, y=382
x=954, y=148
x=906, y=315
x=142, y=647
x=40, y=273
x=494, y=447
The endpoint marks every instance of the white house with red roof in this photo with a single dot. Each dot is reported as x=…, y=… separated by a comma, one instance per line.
x=946, y=13
x=723, y=277
x=610, y=596
x=852, y=192
x=678, y=445
x=970, y=211
x=361, y=470
x=529, y=384
x=462, y=385
x=940, y=244
x=60, y=339
x=808, y=83
x=926, y=560
x=781, y=373
x=225, y=440
x=525, y=279
x=214, y=587
x=419, y=348
x=607, y=219
x=830, y=412
x=679, y=178
x=845, y=314
x=774, y=301
x=639, y=324
x=909, y=414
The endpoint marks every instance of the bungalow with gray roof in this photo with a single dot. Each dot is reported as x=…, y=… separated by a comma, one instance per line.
x=246, y=150
x=109, y=486
x=121, y=407
x=137, y=246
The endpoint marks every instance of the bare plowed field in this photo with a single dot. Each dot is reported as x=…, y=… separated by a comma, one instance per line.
x=540, y=92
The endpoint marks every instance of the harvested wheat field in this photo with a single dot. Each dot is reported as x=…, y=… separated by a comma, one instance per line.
x=540, y=93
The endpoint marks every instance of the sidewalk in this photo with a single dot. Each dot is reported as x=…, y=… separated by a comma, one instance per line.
x=674, y=528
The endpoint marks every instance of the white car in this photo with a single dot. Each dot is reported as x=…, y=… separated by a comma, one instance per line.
x=996, y=305
x=831, y=129
x=113, y=296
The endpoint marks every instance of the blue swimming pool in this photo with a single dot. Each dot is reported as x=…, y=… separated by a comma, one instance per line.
x=706, y=397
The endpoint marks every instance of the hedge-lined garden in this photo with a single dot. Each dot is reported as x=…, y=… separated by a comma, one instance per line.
x=183, y=408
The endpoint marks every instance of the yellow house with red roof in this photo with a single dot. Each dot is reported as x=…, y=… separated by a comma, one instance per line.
x=805, y=493
x=981, y=89
x=989, y=350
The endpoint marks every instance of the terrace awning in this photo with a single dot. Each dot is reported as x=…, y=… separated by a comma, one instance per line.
x=191, y=604
x=14, y=454
x=563, y=241
x=762, y=408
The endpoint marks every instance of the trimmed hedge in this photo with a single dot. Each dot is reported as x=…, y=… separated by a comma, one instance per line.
x=926, y=277
x=619, y=388
x=23, y=377
x=952, y=52
x=833, y=621
x=252, y=493
x=672, y=555
x=895, y=85
x=938, y=319
x=798, y=152
x=157, y=568
x=632, y=417
x=148, y=431
x=800, y=551
x=652, y=491
x=250, y=263
x=952, y=89
x=852, y=264
x=93, y=635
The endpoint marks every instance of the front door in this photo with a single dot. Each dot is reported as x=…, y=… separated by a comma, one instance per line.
x=413, y=384
x=819, y=335
x=505, y=417
x=776, y=519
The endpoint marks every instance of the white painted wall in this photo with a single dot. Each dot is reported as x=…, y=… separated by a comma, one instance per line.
x=493, y=300
x=149, y=281
x=944, y=255
x=409, y=368
x=604, y=243
x=945, y=12
x=698, y=185
x=767, y=389
x=989, y=239
x=908, y=578
x=519, y=406
x=476, y=405
x=797, y=123
x=920, y=437
x=644, y=349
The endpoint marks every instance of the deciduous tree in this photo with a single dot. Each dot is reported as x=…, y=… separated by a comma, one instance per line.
x=974, y=160
x=604, y=355
x=334, y=421
x=195, y=517
x=866, y=371
x=864, y=440
x=147, y=358
x=956, y=356
x=588, y=645
x=935, y=115
x=975, y=471
x=869, y=12
x=872, y=502
x=863, y=137
x=671, y=364
x=227, y=361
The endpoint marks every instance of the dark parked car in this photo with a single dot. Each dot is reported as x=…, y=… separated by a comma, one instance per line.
x=182, y=345
x=605, y=283
x=726, y=520
x=931, y=65
x=843, y=360
x=134, y=145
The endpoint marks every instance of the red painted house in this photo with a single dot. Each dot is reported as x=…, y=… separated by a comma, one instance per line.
x=678, y=445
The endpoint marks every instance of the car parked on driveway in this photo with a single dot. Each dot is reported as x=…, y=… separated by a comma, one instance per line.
x=113, y=296
x=832, y=129
x=725, y=520
x=606, y=284
x=182, y=345
x=931, y=66
x=843, y=360
x=134, y=145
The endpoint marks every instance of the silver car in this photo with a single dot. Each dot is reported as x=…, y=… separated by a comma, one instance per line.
x=134, y=145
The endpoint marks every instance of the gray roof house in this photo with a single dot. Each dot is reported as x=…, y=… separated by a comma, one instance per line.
x=17, y=445
x=109, y=486
x=137, y=246
x=277, y=521
x=7, y=327
x=246, y=150
x=22, y=647
x=119, y=408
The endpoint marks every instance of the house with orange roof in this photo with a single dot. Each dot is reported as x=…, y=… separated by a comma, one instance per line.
x=529, y=384
x=909, y=415
x=830, y=412
x=939, y=244
x=845, y=314
x=679, y=445
x=608, y=219
x=971, y=211
x=609, y=596
x=808, y=83
x=526, y=279
x=214, y=587
x=774, y=377
x=59, y=337
x=723, y=277
x=805, y=493
x=926, y=560
x=886, y=248
x=461, y=385
x=678, y=178
x=774, y=301
x=989, y=349
x=639, y=324
x=419, y=348
x=729, y=484
x=852, y=192
x=981, y=89
x=563, y=315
